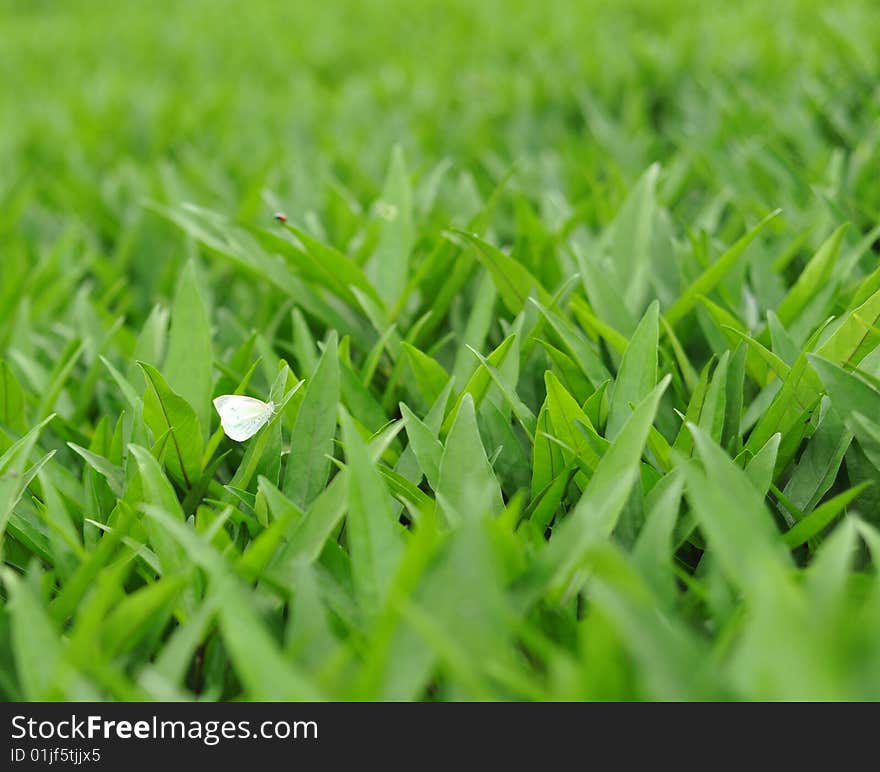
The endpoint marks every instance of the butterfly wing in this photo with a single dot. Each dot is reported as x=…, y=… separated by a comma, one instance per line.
x=242, y=417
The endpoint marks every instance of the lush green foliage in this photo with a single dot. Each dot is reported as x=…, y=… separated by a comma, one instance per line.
x=575, y=329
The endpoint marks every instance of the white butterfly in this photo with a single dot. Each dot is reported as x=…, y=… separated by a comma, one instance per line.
x=242, y=417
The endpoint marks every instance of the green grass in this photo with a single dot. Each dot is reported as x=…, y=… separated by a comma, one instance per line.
x=575, y=324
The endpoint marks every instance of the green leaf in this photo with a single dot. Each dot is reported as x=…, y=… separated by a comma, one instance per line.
x=285, y=517
x=595, y=516
x=595, y=326
x=180, y=648
x=637, y=373
x=711, y=277
x=151, y=342
x=396, y=231
x=817, y=468
x=814, y=523
x=569, y=374
x=125, y=386
x=564, y=413
x=522, y=412
x=581, y=350
x=76, y=587
x=311, y=442
x=781, y=340
x=479, y=383
x=36, y=644
x=628, y=240
x=854, y=399
x=774, y=362
x=731, y=512
x=762, y=465
x=327, y=510
x=140, y=612
x=600, y=286
x=667, y=651
x=327, y=265
x=427, y=448
x=12, y=400
x=714, y=408
x=159, y=493
x=514, y=282
x=190, y=360
x=429, y=373
x=257, y=659
x=167, y=411
x=359, y=400
x=817, y=273
x=653, y=550
x=372, y=532
x=110, y=472
x=15, y=475
x=478, y=325
x=59, y=376
x=467, y=487
x=220, y=240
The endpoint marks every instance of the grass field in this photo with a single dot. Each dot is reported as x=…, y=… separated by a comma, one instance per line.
x=573, y=333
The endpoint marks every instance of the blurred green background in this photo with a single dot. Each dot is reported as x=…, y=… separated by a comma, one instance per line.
x=249, y=106
x=114, y=116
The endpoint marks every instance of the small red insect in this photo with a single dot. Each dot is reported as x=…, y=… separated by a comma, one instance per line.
x=280, y=216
